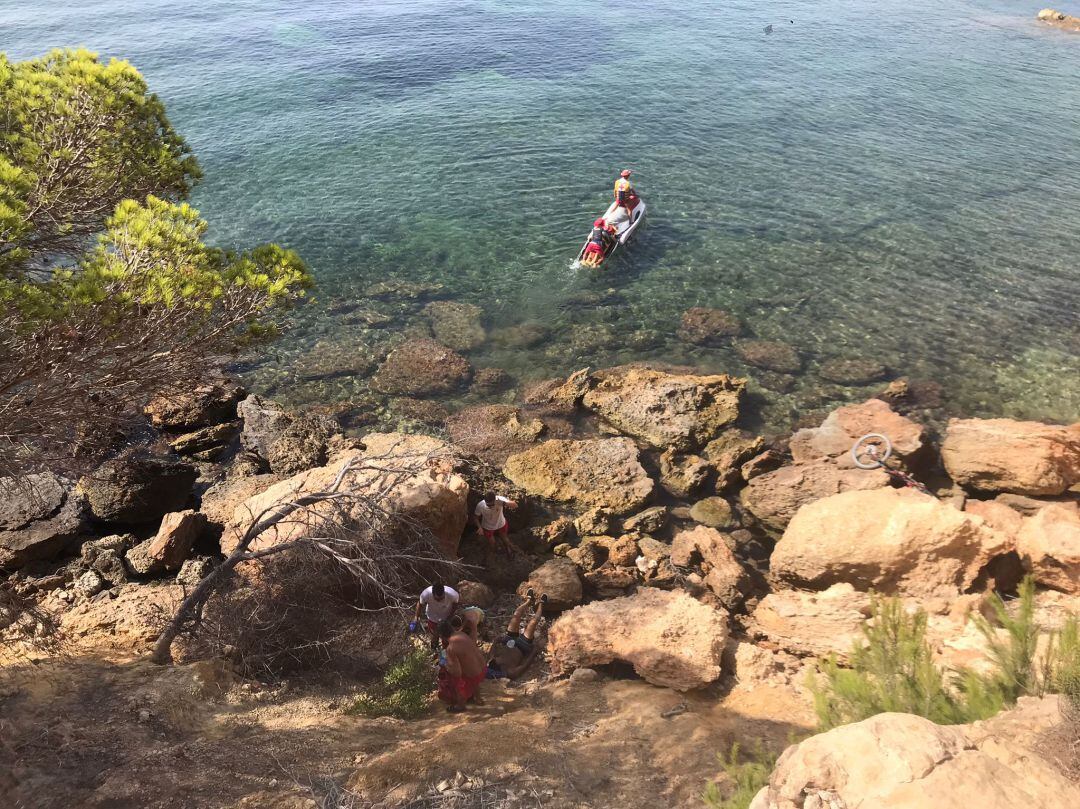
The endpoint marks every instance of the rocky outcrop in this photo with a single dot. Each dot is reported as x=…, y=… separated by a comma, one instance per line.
x=172, y=544
x=707, y=549
x=774, y=497
x=669, y=638
x=211, y=403
x=559, y=578
x=494, y=432
x=138, y=489
x=845, y=425
x=815, y=624
x=132, y=621
x=208, y=443
x=902, y=761
x=40, y=517
x=456, y=325
x=890, y=540
x=729, y=452
x=422, y=367
x=684, y=476
x=682, y=411
x=708, y=327
x=476, y=594
x=1002, y=455
x=1058, y=19
x=264, y=422
x=427, y=493
x=1049, y=545
x=599, y=472
x=303, y=444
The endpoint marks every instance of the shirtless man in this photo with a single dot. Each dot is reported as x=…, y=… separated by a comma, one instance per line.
x=512, y=653
x=464, y=670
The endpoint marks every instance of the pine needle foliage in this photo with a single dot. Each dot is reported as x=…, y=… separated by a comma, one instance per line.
x=404, y=692
x=747, y=776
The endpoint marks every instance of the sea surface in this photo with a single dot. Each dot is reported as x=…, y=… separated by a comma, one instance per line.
x=896, y=181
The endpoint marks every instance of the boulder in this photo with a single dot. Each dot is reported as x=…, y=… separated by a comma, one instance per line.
x=703, y=326
x=890, y=540
x=712, y=511
x=425, y=491
x=851, y=372
x=997, y=515
x=207, y=404
x=683, y=411
x=264, y=422
x=845, y=425
x=1049, y=545
x=729, y=452
x=209, y=441
x=422, y=367
x=774, y=497
x=194, y=570
x=621, y=551
x=456, y=325
x=670, y=639
x=493, y=432
x=88, y=585
x=602, y=472
x=41, y=516
x=708, y=549
x=684, y=475
x=132, y=621
x=813, y=624
x=1023, y=457
x=589, y=554
x=610, y=581
x=303, y=444
x=648, y=521
x=559, y=578
x=593, y=522
x=106, y=557
x=475, y=594
x=768, y=461
x=555, y=532
x=138, y=489
x=487, y=381
x=770, y=355
x=903, y=761
x=172, y=544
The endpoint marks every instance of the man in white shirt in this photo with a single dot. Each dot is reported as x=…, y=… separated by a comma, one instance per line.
x=438, y=603
x=491, y=522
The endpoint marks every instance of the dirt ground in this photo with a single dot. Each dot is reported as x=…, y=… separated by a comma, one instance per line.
x=87, y=730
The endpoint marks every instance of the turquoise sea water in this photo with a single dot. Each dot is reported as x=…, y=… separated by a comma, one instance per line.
x=896, y=181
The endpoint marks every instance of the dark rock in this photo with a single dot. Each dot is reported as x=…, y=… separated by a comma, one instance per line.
x=490, y=380
x=303, y=444
x=211, y=403
x=194, y=570
x=41, y=516
x=215, y=437
x=770, y=355
x=704, y=326
x=714, y=512
x=456, y=325
x=421, y=410
x=422, y=368
x=852, y=371
x=684, y=475
x=767, y=461
x=264, y=422
x=138, y=488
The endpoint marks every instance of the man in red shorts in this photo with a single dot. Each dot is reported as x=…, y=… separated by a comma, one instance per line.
x=463, y=671
x=491, y=522
x=438, y=603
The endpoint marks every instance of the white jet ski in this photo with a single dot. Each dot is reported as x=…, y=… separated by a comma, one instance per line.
x=625, y=225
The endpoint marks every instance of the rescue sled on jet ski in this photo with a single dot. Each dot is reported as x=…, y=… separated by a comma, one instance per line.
x=617, y=228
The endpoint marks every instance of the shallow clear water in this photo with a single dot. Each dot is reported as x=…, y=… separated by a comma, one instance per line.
x=896, y=181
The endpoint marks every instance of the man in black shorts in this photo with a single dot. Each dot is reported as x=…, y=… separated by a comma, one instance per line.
x=512, y=653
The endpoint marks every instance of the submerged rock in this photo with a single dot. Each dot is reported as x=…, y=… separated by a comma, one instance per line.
x=423, y=410
x=602, y=472
x=1023, y=457
x=456, y=325
x=683, y=411
x=712, y=511
x=895, y=541
x=852, y=372
x=770, y=355
x=670, y=639
x=422, y=367
x=405, y=290
x=704, y=326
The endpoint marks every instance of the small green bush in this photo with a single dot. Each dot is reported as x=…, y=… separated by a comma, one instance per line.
x=404, y=692
x=1065, y=676
x=747, y=778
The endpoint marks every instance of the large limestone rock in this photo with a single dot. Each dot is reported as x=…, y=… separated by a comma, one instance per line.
x=845, y=425
x=598, y=472
x=774, y=497
x=666, y=410
x=426, y=492
x=559, y=578
x=40, y=518
x=669, y=638
x=816, y=624
x=1024, y=457
x=132, y=621
x=890, y=540
x=708, y=549
x=902, y=761
x=138, y=489
x=422, y=367
x=1049, y=544
x=170, y=547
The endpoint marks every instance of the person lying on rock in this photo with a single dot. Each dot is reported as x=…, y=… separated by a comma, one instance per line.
x=438, y=603
x=512, y=653
x=463, y=670
x=491, y=521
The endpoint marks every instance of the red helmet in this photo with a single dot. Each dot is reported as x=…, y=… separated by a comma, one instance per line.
x=625, y=173
x=599, y=223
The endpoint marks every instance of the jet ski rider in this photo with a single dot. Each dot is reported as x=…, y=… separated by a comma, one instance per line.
x=624, y=191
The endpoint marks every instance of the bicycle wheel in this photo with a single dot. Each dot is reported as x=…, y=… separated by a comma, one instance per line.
x=871, y=451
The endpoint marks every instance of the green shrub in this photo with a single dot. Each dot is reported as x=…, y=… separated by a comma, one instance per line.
x=1065, y=674
x=404, y=692
x=747, y=778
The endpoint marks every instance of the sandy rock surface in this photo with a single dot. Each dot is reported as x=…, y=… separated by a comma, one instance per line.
x=845, y=425
x=669, y=638
x=806, y=623
x=706, y=548
x=1002, y=455
x=599, y=472
x=890, y=540
x=774, y=497
x=1049, y=544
